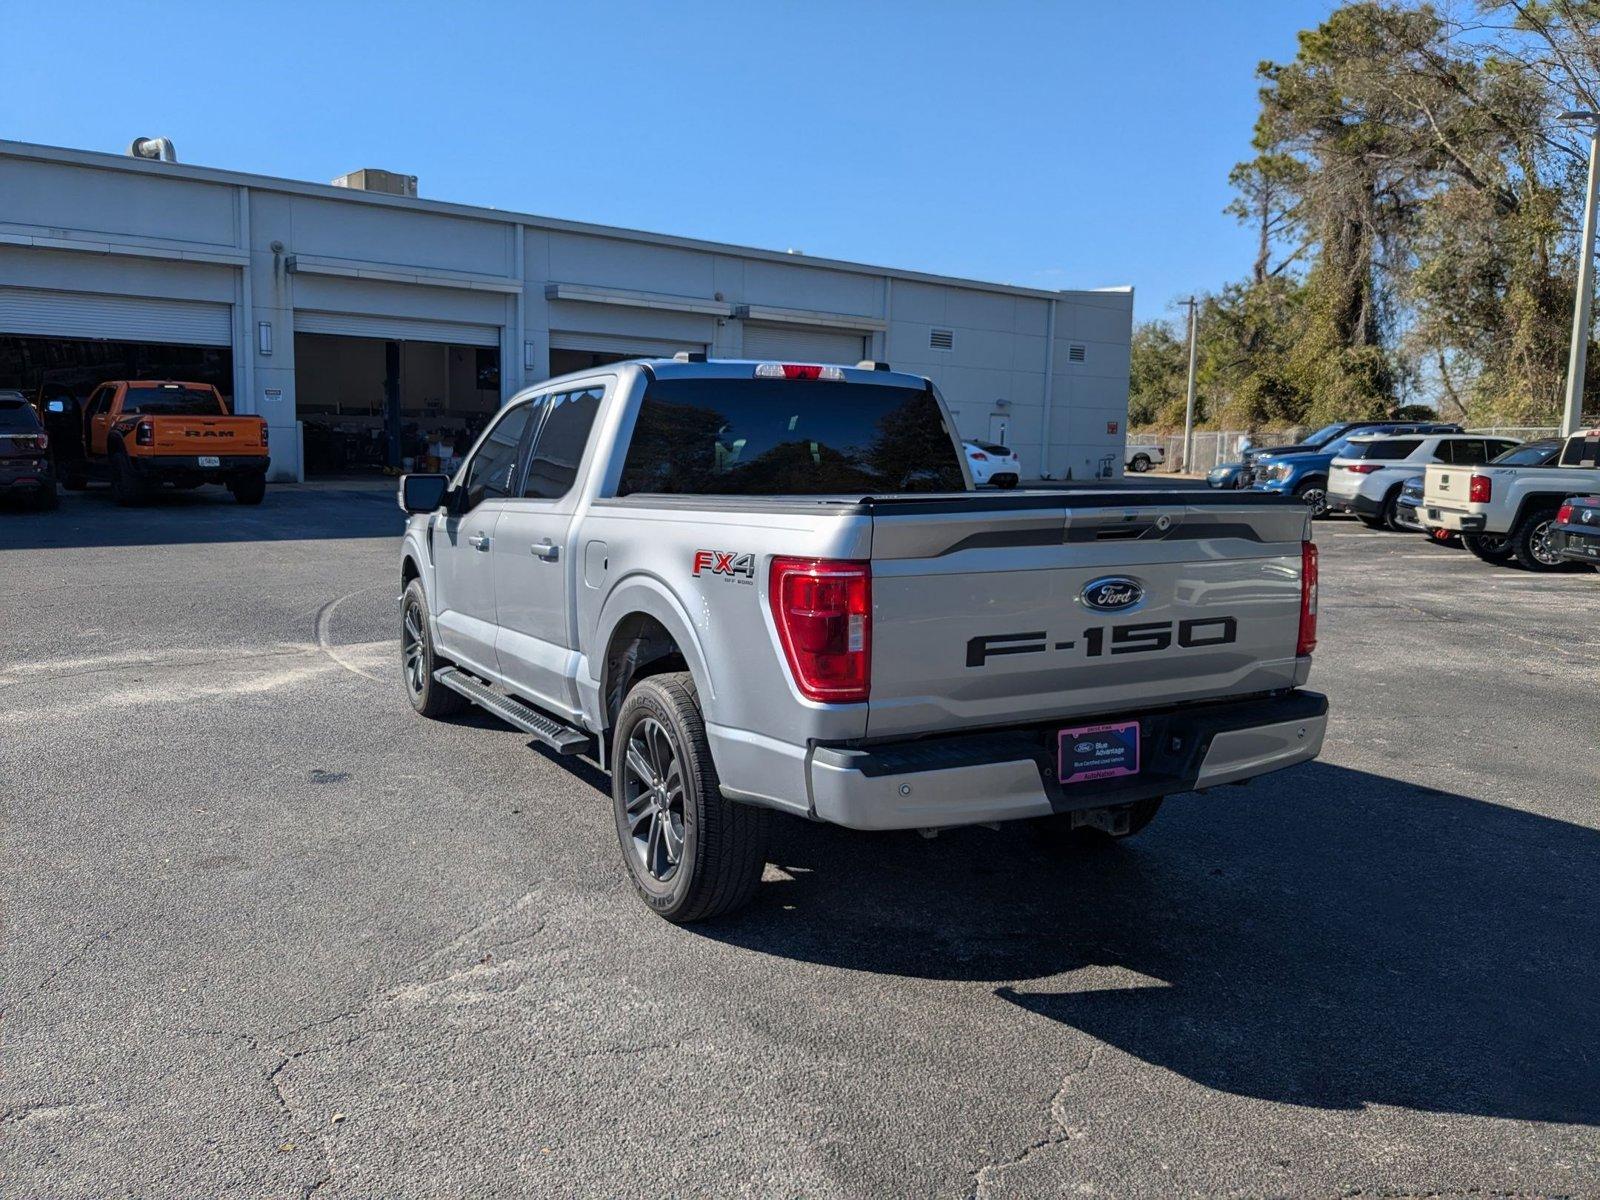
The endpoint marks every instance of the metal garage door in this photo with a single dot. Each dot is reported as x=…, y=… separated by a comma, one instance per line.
x=35, y=312
x=395, y=329
x=781, y=344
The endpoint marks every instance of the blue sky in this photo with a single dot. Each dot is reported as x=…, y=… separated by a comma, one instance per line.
x=1052, y=145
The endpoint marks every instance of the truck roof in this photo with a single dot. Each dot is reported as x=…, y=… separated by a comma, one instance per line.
x=741, y=368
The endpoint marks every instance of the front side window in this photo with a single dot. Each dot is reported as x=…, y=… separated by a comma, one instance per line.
x=785, y=437
x=553, y=464
x=493, y=469
x=172, y=402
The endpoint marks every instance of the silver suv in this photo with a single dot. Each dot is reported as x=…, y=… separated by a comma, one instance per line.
x=1368, y=477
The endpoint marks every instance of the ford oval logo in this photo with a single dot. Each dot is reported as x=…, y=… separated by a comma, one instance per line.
x=1114, y=593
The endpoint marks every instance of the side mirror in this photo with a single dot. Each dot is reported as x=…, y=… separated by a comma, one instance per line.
x=56, y=406
x=422, y=493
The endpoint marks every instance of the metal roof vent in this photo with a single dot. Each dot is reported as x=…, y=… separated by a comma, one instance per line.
x=159, y=149
x=942, y=339
x=1076, y=353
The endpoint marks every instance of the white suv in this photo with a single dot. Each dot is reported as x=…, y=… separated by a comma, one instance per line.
x=1366, y=479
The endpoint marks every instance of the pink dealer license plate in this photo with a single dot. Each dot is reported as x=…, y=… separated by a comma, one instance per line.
x=1099, y=752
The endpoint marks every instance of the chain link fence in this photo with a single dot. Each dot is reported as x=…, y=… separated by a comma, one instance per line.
x=1213, y=447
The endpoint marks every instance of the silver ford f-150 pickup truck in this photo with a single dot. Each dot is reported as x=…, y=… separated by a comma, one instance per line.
x=747, y=587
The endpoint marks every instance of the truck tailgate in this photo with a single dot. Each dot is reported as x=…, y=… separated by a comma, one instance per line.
x=207, y=435
x=984, y=613
x=1446, y=485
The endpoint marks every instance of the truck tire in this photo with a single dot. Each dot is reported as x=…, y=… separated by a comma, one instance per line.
x=1056, y=829
x=418, y=661
x=691, y=852
x=1314, y=494
x=249, y=489
x=1491, y=547
x=1529, y=542
x=126, y=486
x=1140, y=463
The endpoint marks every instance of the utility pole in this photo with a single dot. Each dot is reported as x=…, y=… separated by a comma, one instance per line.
x=1188, y=412
x=1578, y=359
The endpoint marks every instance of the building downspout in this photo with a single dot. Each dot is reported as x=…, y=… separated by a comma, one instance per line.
x=1049, y=390
x=247, y=314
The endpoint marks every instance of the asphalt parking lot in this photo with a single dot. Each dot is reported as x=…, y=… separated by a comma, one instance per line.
x=269, y=934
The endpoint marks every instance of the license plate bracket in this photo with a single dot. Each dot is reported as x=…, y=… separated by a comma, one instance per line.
x=210, y=460
x=1090, y=752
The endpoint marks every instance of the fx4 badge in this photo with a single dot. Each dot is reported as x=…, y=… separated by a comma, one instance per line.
x=727, y=563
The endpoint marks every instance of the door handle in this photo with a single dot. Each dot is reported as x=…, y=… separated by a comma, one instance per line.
x=479, y=541
x=546, y=550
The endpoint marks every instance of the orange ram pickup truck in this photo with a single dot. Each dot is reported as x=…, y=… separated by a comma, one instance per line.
x=140, y=435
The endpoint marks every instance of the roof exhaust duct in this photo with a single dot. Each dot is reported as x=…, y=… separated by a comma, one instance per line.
x=157, y=149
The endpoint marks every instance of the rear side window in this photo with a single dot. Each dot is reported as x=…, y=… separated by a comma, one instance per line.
x=1388, y=450
x=553, y=465
x=17, y=416
x=1472, y=451
x=1527, y=456
x=1581, y=451
x=172, y=402
x=783, y=437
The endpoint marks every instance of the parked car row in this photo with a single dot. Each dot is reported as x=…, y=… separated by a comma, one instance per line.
x=1529, y=503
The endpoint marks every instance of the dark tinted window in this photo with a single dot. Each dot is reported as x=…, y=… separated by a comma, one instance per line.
x=993, y=448
x=1581, y=450
x=1322, y=435
x=1384, y=451
x=1466, y=452
x=1534, y=454
x=493, y=468
x=17, y=416
x=781, y=437
x=553, y=464
x=172, y=401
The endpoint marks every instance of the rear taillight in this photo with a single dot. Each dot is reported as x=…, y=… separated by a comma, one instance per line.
x=1564, y=514
x=263, y=433
x=144, y=434
x=978, y=456
x=1361, y=468
x=1480, y=489
x=1308, y=599
x=42, y=442
x=823, y=611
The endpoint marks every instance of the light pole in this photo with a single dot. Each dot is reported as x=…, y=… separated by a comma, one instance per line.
x=1578, y=359
x=1188, y=411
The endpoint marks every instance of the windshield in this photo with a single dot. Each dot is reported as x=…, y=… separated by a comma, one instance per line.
x=1536, y=455
x=172, y=402
x=781, y=437
x=1321, y=435
x=17, y=416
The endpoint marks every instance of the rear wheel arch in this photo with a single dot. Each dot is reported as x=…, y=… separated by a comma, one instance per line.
x=1536, y=502
x=409, y=570
x=639, y=646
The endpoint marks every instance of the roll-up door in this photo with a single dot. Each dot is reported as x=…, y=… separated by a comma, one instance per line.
x=35, y=312
x=779, y=343
x=395, y=329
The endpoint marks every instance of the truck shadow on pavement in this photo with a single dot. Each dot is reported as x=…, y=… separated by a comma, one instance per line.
x=1327, y=938
x=289, y=513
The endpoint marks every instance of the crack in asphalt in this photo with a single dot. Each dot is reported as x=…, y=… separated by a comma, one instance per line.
x=989, y=1174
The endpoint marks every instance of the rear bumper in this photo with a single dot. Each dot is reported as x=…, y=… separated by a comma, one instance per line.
x=1007, y=775
x=1409, y=516
x=1454, y=519
x=1576, y=544
x=188, y=465
x=1355, y=502
x=26, y=479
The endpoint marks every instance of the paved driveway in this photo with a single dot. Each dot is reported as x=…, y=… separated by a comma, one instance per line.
x=269, y=934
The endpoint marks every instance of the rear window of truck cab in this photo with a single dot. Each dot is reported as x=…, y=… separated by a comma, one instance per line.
x=166, y=400
x=788, y=437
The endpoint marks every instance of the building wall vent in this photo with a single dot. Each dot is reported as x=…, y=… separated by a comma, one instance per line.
x=1076, y=353
x=942, y=339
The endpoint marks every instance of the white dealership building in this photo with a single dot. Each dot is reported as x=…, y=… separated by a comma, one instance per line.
x=367, y=325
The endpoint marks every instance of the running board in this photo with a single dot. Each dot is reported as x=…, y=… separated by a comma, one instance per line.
x=560, y=737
